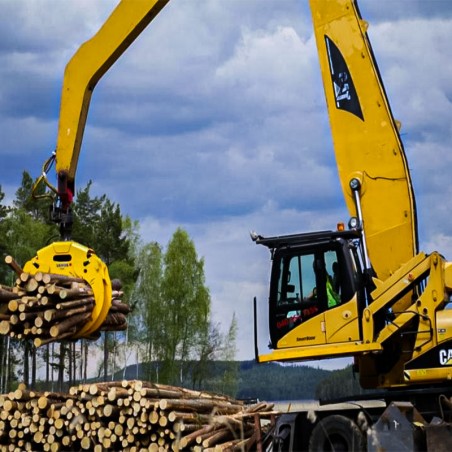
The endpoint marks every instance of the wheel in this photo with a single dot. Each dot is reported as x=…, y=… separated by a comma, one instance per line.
x=337, y=433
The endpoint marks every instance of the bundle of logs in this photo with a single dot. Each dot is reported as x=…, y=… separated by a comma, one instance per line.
x=131, y=415
x=48, y=307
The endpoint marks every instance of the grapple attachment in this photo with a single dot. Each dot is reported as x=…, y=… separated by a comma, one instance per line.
x=71, y=259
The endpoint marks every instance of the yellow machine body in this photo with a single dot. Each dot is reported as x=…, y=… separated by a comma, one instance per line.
x=394, y=320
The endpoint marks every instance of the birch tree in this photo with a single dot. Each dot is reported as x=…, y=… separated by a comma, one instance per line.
x=230, y=377
x=174, y=306
x=187, y=305
x=146, y=326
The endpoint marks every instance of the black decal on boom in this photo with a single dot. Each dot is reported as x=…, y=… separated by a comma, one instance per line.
x=344, y=89
x=439, y=356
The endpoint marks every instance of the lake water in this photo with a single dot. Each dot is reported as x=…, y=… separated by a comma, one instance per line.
x=290, y=406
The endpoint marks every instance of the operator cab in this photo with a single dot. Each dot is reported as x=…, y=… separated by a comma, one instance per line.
x=311, y=273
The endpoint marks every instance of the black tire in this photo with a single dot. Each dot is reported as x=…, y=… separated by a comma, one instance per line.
x=337, y=433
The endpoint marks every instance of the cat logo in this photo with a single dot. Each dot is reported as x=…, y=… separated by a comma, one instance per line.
x=341, y=88
x=344, y=89
x=445, y=357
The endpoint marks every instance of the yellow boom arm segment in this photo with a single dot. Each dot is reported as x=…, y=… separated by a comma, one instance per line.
x=87, y=66
x=365, y=135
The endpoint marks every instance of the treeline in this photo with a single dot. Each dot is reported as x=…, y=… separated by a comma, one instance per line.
x=269, y=382
x=340, y=384
x=170, y=321
x=272, y=381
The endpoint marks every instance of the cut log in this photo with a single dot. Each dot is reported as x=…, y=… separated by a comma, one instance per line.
x=68, y=324
x=78, y=292
x=46, y=303
x=86, y=418
x=6, y=295
x=5, y=327
x=9, y=260
x=198, y=405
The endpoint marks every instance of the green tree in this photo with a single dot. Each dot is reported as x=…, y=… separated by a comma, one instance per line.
x=37, y=208
x=340, y=383
x=111, y=243
x=99, y=224
x=187, y=304
x=230, y=377
x=148, y=323
x=4, y=342
x=23, y=230
x=24, y=235
x=3, y=209
x=124, y=267
x=87, y=217
x=208, y=348
x=172, y=309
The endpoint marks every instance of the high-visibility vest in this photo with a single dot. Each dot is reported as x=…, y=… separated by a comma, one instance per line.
x=333, y=298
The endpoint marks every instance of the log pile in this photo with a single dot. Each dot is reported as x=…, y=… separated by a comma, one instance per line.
x=48, y=307
x=129, y=415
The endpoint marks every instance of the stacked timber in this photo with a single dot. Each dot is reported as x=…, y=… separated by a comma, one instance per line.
x=49, y=307
x=129, y=415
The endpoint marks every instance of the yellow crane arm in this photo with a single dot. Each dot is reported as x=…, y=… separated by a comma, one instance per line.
x=366, y=139
x=85, y=69
x=91, y=61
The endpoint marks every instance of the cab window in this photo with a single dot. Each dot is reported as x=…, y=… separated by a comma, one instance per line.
x=304, y=284
x=297, y=278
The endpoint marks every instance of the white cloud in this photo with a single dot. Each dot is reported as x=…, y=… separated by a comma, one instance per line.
x=421, y=90
x=266, y=68
x=416, y=68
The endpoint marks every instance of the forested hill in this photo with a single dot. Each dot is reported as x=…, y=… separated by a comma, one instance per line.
x=270, y=381
x=274, y=382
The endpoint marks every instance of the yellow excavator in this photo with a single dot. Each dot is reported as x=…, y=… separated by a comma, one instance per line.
x=365, y=291
x=390, y=301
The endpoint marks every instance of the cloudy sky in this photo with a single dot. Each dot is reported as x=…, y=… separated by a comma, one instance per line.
x=215, y=120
